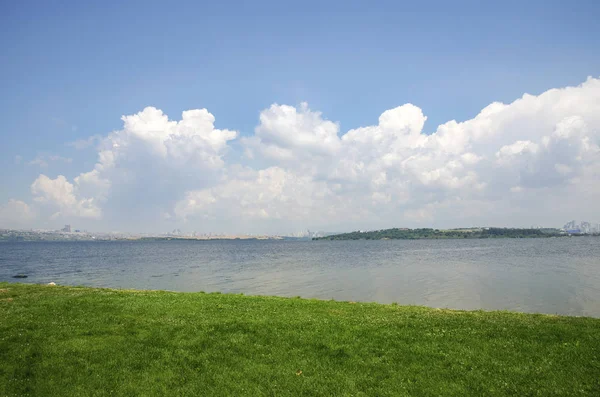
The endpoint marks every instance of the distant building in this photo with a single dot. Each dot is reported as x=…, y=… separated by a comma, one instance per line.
x=585, y=227
x=582, y=227
x=66, y=229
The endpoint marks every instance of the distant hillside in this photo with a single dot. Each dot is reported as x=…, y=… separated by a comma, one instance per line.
x=413, y=234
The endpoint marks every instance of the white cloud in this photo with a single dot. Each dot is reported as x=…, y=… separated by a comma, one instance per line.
x=44, y=160
x=16, y=214
x=293, y=135
x=61, y=195
x=272, y=193
x=507, y=165
x=516, y=189
x=143, y=168
x=470, y=158
x=509, y=152
x=81, y=144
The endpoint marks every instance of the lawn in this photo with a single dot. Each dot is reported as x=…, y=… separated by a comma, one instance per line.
x=66, y=341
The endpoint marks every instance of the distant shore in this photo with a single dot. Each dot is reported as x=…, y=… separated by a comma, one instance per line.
x=434, y=234
x=7, y=235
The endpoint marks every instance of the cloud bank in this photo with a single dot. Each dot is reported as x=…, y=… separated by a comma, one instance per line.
x=533, y=161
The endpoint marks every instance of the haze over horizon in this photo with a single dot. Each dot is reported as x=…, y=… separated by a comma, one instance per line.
x=272, y=119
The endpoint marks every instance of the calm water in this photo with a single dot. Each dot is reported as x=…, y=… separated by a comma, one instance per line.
x=537, y=275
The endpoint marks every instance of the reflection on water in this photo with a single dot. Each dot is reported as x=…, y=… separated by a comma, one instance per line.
x=558, y=275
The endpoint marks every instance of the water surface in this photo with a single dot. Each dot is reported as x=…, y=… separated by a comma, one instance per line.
x=555, y=275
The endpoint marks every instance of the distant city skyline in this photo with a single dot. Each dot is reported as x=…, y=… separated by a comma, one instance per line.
x=275, y=118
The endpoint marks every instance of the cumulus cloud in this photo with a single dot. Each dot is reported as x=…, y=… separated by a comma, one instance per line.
x=510, y=164
x=293, y=135
x=271, y=193
x=143, y=168
x=393, y=172
x=60, y=195
x=16, y=214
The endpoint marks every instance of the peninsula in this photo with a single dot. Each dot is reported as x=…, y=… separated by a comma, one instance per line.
x=414, y=234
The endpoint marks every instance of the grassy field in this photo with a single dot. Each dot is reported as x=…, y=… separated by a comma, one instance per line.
x=63, y=341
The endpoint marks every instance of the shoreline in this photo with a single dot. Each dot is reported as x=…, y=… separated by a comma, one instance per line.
x=70, y=341
x=242, y=294
x=286, y=239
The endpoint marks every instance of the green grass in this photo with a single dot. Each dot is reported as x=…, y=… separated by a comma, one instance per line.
x=64, y=341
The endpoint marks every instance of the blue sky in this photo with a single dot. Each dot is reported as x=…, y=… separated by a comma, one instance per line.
x=71, y=69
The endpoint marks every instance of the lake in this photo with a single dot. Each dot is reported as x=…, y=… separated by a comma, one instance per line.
x=554, y=275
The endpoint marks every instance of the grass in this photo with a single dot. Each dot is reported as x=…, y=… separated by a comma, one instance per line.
x=65, y=341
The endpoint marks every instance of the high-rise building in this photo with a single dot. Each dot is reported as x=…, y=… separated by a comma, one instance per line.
x=66, y=229
x=582, y=227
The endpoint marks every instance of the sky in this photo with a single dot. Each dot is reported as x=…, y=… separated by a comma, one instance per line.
x=273, y=117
